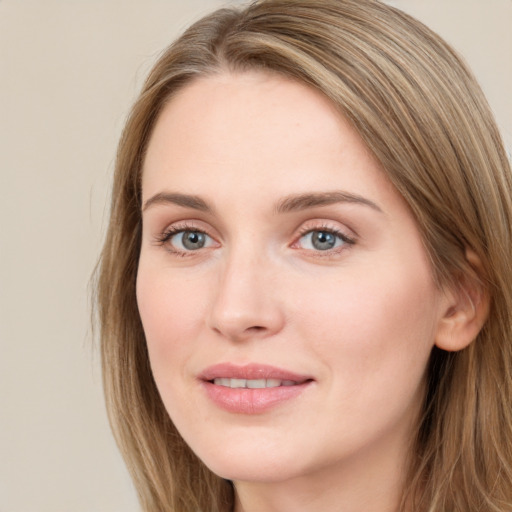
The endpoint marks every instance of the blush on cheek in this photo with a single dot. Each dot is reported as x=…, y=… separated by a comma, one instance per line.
x=156, y=315
x=377, y=325
x=171, y=320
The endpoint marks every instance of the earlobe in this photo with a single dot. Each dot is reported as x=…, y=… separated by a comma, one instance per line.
x=467, y=309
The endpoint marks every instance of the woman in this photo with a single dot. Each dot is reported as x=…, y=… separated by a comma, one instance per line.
x=305, y=290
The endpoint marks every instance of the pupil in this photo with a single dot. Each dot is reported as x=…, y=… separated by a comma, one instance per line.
x=323, y=240
x=193, y=240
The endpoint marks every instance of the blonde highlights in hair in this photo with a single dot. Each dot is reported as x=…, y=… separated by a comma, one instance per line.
x=422, y=114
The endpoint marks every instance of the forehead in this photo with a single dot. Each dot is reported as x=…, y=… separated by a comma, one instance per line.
x=245, y=131
x=249, y=108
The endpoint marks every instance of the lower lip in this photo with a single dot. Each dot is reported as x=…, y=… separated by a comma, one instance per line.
x=251, y=401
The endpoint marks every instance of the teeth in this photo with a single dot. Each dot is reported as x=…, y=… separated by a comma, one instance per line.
x=252, y=383
x=237, y=383
x=256, y=384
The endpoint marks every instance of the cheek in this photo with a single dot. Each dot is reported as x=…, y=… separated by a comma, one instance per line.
x=376, y=327
x=172, y=314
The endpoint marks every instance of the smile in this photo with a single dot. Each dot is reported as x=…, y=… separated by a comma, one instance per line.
x=253, y=388
x=253, y=383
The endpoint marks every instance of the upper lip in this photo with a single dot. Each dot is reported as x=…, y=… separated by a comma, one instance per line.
x=252, y=371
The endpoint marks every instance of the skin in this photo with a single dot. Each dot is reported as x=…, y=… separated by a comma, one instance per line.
x=360, y=319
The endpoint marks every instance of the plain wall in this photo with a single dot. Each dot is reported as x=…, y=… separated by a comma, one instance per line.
x=69, y=71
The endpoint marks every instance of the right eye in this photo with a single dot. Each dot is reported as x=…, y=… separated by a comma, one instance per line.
x=188, y=240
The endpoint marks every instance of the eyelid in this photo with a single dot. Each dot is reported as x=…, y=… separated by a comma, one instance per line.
x=326, y=225
x=184, y=225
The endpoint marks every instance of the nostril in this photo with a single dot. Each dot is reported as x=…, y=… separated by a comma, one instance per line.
x=256, y=328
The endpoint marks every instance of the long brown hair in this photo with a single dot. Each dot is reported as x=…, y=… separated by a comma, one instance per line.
x=422, y=114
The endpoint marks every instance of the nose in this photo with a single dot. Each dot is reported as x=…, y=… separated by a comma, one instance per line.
x=246, y=302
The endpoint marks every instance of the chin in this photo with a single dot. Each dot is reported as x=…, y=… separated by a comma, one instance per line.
x=245, y=461
x=264, y=462
x=248, y=471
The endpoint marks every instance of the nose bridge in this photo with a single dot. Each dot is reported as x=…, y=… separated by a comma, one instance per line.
x=245, y=303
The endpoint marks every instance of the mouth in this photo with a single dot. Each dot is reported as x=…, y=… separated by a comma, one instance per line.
x=253, y=388
x=252, y=376
x=252, y=383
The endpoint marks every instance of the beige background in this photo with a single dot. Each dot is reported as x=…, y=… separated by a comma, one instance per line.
x=69, y=71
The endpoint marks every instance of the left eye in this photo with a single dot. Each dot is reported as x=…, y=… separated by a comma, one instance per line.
x=322, y=240
x=190, y=240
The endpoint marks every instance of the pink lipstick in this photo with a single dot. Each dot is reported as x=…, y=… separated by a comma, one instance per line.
x=252, y=388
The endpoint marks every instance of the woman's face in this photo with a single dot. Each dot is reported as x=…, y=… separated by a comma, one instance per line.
x=286, y=297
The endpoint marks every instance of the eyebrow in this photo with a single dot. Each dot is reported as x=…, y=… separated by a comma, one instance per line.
x=305, y=201
x=288, y=204
x=185, y=200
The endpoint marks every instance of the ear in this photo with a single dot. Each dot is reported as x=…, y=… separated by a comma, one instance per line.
x=467, y=309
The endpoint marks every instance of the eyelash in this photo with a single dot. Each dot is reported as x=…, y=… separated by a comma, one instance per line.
x=166, y=236
x=347, y=240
